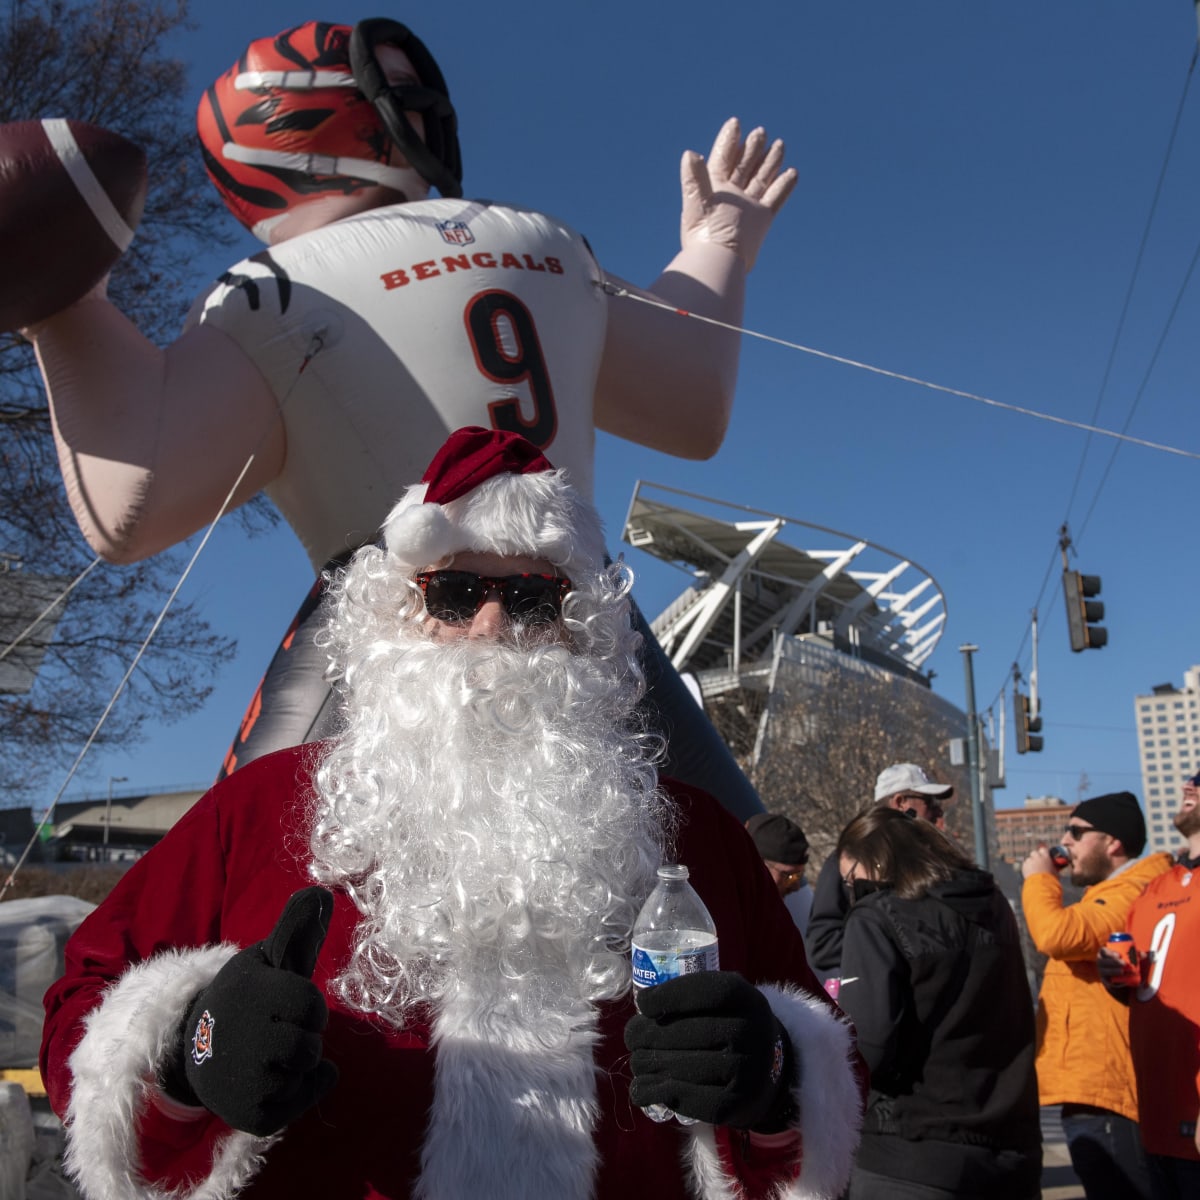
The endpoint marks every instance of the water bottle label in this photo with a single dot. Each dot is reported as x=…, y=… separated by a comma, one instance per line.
x=657, y=966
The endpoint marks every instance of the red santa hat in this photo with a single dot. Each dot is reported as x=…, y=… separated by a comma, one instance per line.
x=487, y=490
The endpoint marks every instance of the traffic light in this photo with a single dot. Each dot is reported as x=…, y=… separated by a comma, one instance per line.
x=1025, y=725
x=1083, y=611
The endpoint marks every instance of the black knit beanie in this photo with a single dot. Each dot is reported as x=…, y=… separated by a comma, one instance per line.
x=1118, y=814
x=778, y=839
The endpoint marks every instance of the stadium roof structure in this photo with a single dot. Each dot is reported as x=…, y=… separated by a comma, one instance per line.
x=133, y=817
x=752, y=586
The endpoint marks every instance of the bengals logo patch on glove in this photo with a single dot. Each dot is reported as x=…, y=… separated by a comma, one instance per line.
x=202, y=1039
x=270, y=1068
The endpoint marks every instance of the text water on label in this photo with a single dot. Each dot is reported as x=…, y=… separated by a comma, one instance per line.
x=653, y=966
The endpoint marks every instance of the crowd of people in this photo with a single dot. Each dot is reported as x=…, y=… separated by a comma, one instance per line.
x=924, y=956
x=397, y=963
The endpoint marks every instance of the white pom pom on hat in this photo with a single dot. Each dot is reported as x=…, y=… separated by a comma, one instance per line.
x=490, y=491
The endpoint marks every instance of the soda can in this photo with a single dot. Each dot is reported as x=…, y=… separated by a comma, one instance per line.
x=1121, y=944
x=1059, y=857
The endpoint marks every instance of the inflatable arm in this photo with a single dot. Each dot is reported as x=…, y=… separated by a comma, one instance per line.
x=149, y=440
x=666, y=381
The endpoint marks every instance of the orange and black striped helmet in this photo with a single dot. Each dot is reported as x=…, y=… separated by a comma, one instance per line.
x=310, y=112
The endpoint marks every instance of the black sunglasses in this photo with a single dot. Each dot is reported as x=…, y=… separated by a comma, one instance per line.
x=1077, y=831
x=456, y=596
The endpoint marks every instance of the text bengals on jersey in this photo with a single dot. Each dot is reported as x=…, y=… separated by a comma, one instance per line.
x=449, y=263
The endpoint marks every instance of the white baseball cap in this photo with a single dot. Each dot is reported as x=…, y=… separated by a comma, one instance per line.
x=908, y=777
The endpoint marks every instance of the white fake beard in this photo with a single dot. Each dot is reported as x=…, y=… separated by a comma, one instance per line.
x=494, y=814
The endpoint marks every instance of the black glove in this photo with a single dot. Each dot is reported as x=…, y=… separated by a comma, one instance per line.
x=708, y=1046
x=249, y=1049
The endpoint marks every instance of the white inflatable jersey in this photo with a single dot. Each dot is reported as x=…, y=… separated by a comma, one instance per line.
x=381, y=333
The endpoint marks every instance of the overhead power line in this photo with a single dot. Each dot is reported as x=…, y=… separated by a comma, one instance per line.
x=1133, y=278
x=1129, y=291
x=614, y=289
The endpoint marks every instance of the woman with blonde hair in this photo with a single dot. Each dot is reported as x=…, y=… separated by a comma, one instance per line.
x=933, y=978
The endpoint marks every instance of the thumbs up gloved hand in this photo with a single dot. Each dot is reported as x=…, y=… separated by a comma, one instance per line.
x=249, y=1049
x=708, y=1046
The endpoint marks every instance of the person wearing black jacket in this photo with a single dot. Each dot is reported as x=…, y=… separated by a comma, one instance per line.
x=904, y=787
x=934, y=981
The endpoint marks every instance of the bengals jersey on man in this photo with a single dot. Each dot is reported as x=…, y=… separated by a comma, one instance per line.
x=1164, y=1013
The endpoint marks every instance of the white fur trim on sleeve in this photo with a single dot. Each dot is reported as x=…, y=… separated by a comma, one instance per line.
x=115, y=1066
x=827, y=1100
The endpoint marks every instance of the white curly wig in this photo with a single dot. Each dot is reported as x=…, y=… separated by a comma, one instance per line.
x=492, y=807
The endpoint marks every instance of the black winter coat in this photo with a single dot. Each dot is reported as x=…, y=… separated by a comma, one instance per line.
x=823, y=937
x=938, y=993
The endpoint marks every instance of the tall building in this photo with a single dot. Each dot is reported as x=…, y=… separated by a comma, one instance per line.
x=1039, y=823
x=1168, y=725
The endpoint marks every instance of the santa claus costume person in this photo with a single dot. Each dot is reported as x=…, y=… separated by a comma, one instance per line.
x=397, y=963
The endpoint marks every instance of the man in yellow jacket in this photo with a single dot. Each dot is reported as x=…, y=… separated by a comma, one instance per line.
x=1083, y=1060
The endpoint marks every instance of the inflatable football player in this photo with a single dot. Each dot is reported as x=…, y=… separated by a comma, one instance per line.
x=376, y=321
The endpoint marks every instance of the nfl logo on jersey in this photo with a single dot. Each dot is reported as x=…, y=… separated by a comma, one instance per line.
x=455, y=232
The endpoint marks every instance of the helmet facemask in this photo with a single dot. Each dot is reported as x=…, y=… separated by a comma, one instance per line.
x=437, y=158
x=290, y=122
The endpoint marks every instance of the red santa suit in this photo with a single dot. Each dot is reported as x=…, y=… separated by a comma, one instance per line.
x=219, y=881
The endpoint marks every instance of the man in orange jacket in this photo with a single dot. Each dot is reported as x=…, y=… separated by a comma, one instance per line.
x=1083, y=1060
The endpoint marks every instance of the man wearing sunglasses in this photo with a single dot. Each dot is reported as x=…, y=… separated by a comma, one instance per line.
x=1083, y=1058
x=450, y=1012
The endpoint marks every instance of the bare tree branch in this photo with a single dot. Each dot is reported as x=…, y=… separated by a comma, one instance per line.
x=103, y=61
x=828, y=735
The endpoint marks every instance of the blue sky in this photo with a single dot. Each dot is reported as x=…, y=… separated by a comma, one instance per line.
x=975, y=181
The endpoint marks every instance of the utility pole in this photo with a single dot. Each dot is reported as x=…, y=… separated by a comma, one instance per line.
x=973, y=766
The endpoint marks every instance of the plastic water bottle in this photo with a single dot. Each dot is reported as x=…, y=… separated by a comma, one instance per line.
x=673, y=935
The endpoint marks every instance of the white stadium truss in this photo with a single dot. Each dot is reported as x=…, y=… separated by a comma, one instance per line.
x=751, y=587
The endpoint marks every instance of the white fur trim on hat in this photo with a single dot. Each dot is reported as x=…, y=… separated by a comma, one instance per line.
x=827, y=1097
x=127, y=1037
x=537, y=515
